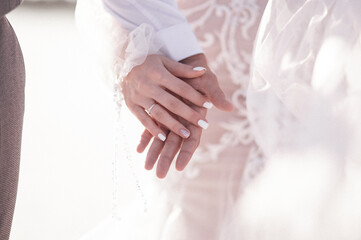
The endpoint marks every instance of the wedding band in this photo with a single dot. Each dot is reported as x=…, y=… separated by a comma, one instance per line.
x=150, y=108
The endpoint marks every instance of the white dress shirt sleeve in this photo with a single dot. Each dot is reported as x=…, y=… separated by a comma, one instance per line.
x=171, y=28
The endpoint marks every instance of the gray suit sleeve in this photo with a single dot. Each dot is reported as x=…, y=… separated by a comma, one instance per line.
x=7, y=5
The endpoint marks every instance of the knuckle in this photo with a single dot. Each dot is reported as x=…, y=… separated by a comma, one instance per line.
x=154, y=73
x=173, y=104
x=142, y=85
x=183, y=88
x=162, y=95
x=152, y=91
x=158, y=114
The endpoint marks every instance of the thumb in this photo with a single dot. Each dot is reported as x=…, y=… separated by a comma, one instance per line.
x=217, y=97
x=183, y=70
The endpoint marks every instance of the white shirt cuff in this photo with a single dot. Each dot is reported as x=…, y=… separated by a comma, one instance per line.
x=179, y=42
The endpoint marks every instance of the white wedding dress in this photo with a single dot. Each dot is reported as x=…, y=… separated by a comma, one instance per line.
x=285, y=167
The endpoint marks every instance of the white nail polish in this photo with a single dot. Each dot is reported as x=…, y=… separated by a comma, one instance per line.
x=199, y=69
x=161, y=137
x=185, y=133
x=203, y=124
x=208, y=105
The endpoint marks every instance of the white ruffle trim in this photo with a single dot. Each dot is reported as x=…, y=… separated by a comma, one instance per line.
x=141, y=43
x=117, y=49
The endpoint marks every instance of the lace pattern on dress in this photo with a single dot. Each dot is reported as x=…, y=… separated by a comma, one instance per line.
x=229, y=43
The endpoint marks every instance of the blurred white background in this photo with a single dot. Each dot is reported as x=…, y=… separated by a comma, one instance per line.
x=65, y=182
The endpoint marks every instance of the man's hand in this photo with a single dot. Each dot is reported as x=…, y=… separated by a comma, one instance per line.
x=207, y=83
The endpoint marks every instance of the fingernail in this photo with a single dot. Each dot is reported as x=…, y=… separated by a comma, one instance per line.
x=185, y=133
x=203, y=124
x=208, y=105
x=161, y=137
x=199, y=69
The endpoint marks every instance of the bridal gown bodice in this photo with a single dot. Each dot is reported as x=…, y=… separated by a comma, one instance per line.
x=226, y=31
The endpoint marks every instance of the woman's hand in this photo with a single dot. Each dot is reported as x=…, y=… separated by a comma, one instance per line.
x=150, y=92
x=165, y=152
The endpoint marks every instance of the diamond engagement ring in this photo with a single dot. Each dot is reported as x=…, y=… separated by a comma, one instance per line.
x=150, y=108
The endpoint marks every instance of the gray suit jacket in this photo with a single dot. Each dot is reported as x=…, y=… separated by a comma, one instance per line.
x=12, y=81
x=7, y=5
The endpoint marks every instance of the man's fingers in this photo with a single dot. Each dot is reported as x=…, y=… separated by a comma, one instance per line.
x=144, y=141
x=170, y=149
x=183, y=70
x=178, y=108
x=219, y=99
x=153, y=153
x=188, y=148
x=210, y=87
x=148, y=123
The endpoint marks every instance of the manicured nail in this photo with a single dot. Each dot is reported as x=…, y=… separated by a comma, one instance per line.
x=199, y=69
x=203, y=124
x=185, y=133
x=161, y=137
x=208, y=105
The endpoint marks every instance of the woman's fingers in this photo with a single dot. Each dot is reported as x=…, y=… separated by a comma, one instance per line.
x=186, y=91
x=151, y=81
x=179, y=108
x=148, y=123
x=172, y=82
x=162, y=116
x=208, y=82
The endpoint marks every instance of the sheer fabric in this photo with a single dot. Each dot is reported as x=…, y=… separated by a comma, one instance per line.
x=304, y=103
x=300, y=126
